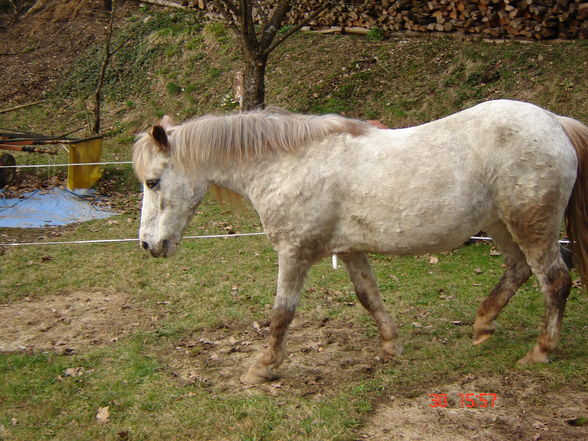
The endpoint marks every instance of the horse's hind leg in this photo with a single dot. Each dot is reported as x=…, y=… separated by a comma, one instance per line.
x=516, y=273
x=536, y=230
x=366, y=288
x=554, y=278
x=293, y=268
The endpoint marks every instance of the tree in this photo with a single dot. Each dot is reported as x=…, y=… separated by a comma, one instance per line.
x=259, y=26
x=108, y=53
x=258, y=42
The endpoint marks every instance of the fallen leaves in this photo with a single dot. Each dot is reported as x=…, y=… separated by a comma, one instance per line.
x=74, y=372
x=103, y=415
x=25, y=183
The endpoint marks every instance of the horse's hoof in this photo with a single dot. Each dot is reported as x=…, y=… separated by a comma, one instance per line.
x=258, y=375
x=481, y=337
x=389, y=352
x=533, y=357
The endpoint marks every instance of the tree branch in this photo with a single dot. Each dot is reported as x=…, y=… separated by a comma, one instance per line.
x=102, y=75
x=14, y=8
x=299, y=26
x=248, y=26
x=277, y=17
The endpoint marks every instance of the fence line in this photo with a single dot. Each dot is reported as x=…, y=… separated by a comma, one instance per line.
x=65, y=165
x=208, y=236
x=101, y=241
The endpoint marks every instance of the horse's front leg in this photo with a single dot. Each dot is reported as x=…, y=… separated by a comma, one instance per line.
x=293, y=268
x=366, y=289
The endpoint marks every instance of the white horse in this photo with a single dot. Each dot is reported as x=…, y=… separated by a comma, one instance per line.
x=327, y=185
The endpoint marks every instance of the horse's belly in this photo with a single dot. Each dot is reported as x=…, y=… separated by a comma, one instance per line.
x=410, y=232
x=400, y=242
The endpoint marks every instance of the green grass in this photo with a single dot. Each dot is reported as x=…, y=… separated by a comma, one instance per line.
x=145, y=401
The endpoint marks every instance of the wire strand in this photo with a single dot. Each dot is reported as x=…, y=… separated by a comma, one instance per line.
x=209, y=236
x=101, y=241
x=65, y=165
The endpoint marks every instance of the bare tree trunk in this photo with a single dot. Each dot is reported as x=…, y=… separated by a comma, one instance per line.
x=259, y=36
x=108, y=5
x=103, y=68
x=254, y=83
x=259, y=41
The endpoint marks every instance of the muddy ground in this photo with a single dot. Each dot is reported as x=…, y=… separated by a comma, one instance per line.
x=323, y=357
x=67, y=323
x=522, y=410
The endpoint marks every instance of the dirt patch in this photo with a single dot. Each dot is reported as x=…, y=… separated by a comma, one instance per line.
x=324, y=357
x=67, y=323
x=522, y=410
x=321, y=357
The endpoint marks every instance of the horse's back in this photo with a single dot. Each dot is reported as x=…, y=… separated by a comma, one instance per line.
x=427, y=188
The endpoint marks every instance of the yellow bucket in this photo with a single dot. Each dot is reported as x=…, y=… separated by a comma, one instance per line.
x=87, y=150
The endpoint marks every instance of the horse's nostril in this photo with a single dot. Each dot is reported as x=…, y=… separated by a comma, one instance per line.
x=165, y=247
x=144, y=245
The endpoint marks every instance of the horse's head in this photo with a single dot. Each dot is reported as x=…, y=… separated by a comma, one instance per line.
x=170, y=193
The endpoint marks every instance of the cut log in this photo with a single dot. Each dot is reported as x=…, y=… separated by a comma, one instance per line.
x=533, y=19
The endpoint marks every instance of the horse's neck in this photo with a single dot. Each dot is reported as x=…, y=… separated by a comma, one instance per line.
x=237, y=178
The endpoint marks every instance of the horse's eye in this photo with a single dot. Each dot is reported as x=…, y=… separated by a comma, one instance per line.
x=152, y=183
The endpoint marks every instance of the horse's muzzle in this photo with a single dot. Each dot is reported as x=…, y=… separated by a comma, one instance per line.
x=166, y=249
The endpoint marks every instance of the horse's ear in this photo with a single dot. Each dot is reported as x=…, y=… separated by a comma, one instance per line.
x=160, y=135
x=166, y=122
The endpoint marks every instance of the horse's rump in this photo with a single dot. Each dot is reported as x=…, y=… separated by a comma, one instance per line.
x=577, y=210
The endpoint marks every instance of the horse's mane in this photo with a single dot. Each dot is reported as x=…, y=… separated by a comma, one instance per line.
x=240, y=137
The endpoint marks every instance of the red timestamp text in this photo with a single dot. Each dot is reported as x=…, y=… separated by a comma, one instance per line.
x=464, y=400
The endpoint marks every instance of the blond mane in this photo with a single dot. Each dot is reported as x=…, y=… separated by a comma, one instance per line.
x=237, y=138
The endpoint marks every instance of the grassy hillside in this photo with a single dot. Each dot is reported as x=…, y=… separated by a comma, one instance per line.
x=177, y=64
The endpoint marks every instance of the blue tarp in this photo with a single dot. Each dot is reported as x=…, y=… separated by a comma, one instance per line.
x=39, y=209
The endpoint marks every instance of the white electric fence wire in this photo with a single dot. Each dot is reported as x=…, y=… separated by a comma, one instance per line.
x=65, y=165
x=210, y=236
x=71, y=242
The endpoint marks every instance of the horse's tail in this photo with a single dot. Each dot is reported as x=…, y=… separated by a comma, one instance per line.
x=577, y=209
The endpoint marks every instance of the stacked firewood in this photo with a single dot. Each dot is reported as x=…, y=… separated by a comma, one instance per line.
x=528, y=19
x=522, y=19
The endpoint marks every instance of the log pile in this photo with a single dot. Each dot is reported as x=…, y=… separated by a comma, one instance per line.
x=519, y=19
x=516, y=19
